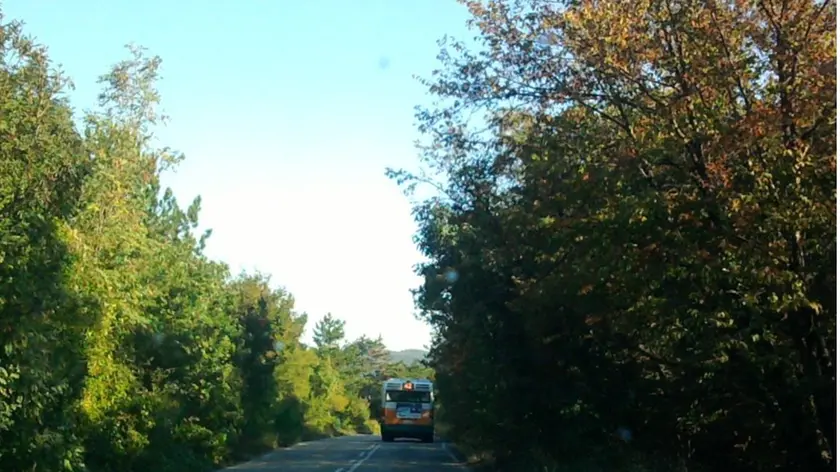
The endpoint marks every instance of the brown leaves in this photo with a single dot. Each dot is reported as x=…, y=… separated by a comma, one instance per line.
x=690, y=141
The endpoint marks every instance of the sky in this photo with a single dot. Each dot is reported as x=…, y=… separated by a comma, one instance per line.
x=288, y=112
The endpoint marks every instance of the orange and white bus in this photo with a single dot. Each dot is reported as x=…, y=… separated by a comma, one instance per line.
x=408, y=410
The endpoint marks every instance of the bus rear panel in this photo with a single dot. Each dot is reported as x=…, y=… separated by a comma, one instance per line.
x=407, y=410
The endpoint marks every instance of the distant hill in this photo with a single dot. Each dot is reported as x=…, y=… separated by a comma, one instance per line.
x=408, y=356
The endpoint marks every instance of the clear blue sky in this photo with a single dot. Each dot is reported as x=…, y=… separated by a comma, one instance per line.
x=288, y=112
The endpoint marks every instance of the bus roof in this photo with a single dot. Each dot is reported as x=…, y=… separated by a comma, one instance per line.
x=424, y=385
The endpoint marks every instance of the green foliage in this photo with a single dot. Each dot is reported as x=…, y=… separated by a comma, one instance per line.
x=637, y=259
x=329, y=333
x=42, y=322
x=122, y=346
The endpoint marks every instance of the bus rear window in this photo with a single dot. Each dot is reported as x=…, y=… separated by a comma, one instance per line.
x=405, y=396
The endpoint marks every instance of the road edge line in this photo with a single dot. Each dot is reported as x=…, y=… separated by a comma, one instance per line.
x=461, y=463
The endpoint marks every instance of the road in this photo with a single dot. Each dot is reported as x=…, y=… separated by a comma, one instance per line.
x=361, y=453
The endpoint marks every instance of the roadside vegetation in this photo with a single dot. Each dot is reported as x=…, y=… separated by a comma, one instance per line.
x=122, y=346
x=631, y=236
x=631, y=248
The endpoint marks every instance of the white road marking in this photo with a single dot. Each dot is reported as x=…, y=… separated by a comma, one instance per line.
x=451, y=455
x=363, y=459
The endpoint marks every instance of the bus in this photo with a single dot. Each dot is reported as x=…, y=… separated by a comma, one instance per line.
x=408, y=410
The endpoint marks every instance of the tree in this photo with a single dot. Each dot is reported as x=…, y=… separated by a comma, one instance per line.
x=42, y=320
x=123, y=347
x=328, y=335
x=262, y=313
x=364, y=362
x=632, y=226
x=374, y=355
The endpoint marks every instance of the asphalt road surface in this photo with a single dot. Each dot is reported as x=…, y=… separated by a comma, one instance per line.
x=357, y=454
